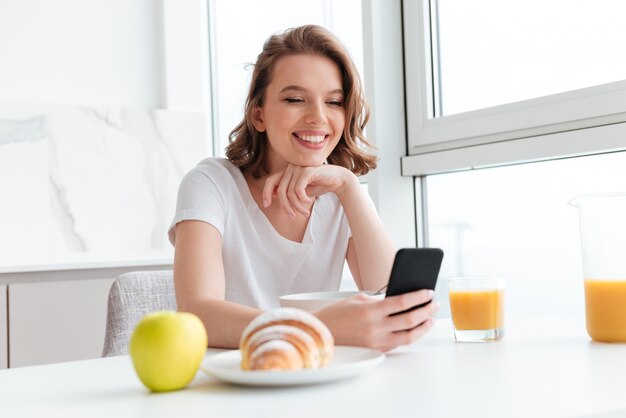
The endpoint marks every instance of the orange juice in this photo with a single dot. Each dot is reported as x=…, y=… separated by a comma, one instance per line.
x=476, y=309
x=605, y=305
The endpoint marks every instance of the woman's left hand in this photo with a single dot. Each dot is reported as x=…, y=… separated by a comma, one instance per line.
x=366, y=322
x=295, y=186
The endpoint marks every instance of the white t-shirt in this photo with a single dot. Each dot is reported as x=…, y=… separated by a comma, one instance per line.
x=259, y=264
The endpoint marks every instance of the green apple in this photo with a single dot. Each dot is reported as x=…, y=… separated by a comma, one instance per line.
x=167, y=348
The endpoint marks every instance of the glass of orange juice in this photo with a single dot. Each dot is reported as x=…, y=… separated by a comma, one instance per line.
x=477, y=308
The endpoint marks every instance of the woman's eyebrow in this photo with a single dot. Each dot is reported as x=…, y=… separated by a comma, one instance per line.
x=302, y=89
x=295, y=88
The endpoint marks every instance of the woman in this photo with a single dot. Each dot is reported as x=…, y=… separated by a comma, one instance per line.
x=284, y=211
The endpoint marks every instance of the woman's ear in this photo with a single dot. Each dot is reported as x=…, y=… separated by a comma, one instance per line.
x=257, y=119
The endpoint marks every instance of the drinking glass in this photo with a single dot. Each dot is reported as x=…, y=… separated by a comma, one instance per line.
x=477, y=308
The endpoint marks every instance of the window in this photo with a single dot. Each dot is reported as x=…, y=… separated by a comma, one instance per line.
x=513, y=109
x=495, y=52
x=515, y=221
x=459, y=97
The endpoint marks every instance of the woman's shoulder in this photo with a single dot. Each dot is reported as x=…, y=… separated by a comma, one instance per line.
x=216, y=169
x=215, y=165
x=217, y=174
x=206, y=193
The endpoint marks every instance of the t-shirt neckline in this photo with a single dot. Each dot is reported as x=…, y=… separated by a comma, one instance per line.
x=246, y=195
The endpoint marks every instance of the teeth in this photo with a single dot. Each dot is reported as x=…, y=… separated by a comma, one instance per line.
x=313, y=139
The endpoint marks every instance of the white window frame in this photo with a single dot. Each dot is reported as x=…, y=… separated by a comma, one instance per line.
x=580, y=122
x=393, y=195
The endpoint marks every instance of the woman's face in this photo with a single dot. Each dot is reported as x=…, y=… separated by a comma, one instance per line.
x=303, y=111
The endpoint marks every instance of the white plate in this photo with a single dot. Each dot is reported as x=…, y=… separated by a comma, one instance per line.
x=346, y=362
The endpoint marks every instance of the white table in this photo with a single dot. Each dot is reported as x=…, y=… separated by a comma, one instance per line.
x=544, y=367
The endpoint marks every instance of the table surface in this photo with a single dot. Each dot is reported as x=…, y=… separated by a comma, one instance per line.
x=544, y=367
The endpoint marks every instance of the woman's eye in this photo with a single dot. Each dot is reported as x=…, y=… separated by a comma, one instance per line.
x=294, y=100
x=335, y=102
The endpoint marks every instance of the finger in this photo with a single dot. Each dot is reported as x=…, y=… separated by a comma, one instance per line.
x=399, y=303
x=297, y=196
x=411, y=319
x=407, y=337
x=301, y=183
x=269, y=188
x=282, y=192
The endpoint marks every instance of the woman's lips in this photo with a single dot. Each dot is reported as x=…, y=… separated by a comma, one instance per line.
x=311, y=140
x=314, y=139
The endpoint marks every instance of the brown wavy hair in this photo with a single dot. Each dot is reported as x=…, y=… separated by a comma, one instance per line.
x=248, y=147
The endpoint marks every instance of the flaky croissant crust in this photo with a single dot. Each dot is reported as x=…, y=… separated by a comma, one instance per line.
x=300, y=333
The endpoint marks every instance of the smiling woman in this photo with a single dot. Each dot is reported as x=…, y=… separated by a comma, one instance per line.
x=285, y=210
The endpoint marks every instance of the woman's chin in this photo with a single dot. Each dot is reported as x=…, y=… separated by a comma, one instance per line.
x=312, y=164
x=310, y=161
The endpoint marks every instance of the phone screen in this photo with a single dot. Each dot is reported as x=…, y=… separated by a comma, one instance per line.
x=414, y=269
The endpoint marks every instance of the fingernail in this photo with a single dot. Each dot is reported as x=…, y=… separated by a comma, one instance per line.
x=266, y=203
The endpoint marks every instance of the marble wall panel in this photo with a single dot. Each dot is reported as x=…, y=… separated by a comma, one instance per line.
x=93, y=182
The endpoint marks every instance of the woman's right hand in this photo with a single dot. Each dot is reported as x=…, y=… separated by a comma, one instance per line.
x=365, y=321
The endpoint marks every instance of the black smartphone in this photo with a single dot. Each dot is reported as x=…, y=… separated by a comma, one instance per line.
x=414, y=269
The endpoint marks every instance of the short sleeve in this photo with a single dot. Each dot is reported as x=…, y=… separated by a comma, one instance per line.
x=200, y=198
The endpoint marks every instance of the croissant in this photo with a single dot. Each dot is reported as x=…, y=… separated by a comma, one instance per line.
x=286, y=339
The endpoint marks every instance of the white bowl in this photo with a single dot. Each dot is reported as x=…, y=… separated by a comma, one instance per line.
x=317, y=300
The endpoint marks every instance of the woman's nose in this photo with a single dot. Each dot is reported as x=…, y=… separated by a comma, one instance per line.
x=316, y=114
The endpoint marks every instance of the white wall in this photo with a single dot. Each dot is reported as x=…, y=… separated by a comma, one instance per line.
x=105, y=65
x=87, y=52
x=113, y=53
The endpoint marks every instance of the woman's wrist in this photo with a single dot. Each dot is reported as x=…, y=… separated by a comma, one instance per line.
x=350, y=184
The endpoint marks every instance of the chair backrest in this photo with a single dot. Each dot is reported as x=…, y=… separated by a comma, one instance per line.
x=132, y=296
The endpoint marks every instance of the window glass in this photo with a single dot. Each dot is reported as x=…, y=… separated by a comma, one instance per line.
x=239, y=37
x=493, y=52
x=515, y=221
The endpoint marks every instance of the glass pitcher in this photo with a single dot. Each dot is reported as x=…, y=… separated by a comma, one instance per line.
x=603, y=241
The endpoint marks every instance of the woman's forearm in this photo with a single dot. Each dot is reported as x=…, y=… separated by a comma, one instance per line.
x=374, y=249
x=224, y=321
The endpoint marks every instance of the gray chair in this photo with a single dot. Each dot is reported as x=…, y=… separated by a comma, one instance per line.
x=132, y=296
